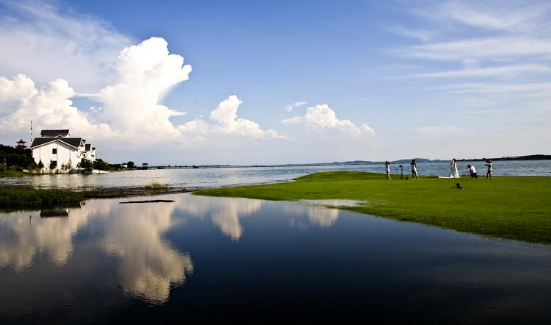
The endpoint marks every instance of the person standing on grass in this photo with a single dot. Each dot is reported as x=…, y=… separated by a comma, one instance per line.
x=387, y=165
x=489, y=164
x=453, y=169
x=414, y=170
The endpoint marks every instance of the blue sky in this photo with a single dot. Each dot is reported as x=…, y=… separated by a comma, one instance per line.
x=280, y=81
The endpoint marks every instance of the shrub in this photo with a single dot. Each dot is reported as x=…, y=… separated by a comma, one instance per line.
x=53, y=165
x=85, y=164
x=156, y=186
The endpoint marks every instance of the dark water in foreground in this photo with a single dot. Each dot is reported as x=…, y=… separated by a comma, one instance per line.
x=205, y=259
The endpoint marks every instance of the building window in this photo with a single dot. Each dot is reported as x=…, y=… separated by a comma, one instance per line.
x=54, y=151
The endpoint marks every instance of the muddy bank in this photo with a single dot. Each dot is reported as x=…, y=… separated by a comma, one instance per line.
x=116, y=192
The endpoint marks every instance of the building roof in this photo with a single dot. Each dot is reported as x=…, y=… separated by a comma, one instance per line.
x=21, y=141
x=54, y=133
x=74, y=142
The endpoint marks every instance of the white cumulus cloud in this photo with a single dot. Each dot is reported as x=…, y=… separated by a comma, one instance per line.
x=48, y=107
x=225, y=121
x=132, y=108
x=147, y=72
x=322, y=119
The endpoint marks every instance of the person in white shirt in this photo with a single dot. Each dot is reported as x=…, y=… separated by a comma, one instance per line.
x=387, y=165
x=472, y=171
x=414, y=170
x=489, y=164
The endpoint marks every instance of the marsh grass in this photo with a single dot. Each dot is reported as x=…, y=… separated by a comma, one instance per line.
x=14, y=173
x=29, y=197
x=507, y=207
x=155, y=186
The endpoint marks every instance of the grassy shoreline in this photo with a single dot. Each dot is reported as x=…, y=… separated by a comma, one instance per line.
x=25, y=197
x=516, y=208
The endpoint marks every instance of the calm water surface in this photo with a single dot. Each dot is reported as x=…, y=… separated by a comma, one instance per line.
x=203, y=259
x=211, y=177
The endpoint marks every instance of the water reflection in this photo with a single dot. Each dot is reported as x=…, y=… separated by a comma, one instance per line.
x=148, y=264
x=24, y=234
x=224, y=212
x=318, y=216
x=180, y=261
x=133, y=233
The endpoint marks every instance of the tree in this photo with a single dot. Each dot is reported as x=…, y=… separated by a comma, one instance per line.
x=131, y=164
x=14, y=157
x=53, y=165
x=100, y=164
x=85, y=164
x=32, y=167
x=40, y=164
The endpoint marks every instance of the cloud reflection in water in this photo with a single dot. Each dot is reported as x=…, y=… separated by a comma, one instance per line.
x=318, y=216
x=24, y=234
x=148, y=265
x=225, y=212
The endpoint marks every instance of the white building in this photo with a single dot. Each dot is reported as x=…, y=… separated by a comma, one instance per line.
x=56, y=147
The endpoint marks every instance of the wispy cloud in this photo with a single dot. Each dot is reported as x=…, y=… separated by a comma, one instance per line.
x=45, y=42
x=492, y=40
x=289, y=108
x=419, y=34
x=493, y=15
x=506, y=72
x=539, y=89
x=479, y=48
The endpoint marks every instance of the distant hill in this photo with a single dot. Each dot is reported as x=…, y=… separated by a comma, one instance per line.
x=529, y=157
x=419, y=160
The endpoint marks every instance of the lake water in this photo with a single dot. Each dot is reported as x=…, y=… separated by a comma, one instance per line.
x=212, y=177
x=201, y=259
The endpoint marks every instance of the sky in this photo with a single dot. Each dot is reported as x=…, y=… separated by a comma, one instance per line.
x=276, y=82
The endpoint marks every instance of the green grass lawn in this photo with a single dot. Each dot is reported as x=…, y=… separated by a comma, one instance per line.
x=507, y=207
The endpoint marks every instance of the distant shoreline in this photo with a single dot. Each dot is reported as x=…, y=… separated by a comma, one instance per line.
x=354, y=162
